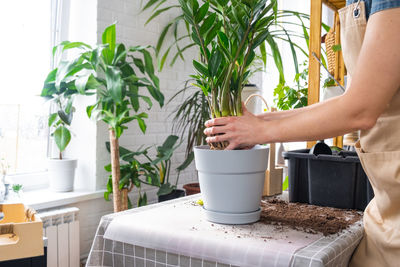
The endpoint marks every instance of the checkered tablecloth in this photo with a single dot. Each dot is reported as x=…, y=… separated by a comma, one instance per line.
x=136, y=244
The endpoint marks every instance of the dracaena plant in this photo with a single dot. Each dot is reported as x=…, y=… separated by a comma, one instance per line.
x=116, y=73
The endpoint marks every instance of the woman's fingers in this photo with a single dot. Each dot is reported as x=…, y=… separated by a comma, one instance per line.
x=216, y=130
x=219, y=121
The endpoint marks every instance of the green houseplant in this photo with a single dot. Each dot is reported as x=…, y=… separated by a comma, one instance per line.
x=231, y=181
x=136, y=168
x=115, y=73
x=139, y=168
x=168, y=190
x=184, y=39
x=60, y=87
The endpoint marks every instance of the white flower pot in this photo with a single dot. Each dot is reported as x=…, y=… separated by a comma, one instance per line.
x=231, y=183
x=62, y=174
x=331, y=91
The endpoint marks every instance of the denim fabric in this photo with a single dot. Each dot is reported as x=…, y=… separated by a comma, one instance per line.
x=373, y=6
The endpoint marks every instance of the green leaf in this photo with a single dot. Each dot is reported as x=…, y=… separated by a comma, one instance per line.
x=162, y=37
x=66, y=118
x=260, y=38
x=142, y=124
x=148, y=62
x=263, y=52
x=71, y=45
x=52, y=118
x=80, y=84
x=208, y=23
x=202, y=12
x=107, y=167
x=213, y=32
x=200, y=68
x=159, y=12
x=114, y=83
x=62, y=136
x=187, y=162
x=215, y=62
x=223, y=40
x=109, y=37
x=285, y=184
x=142, y=201
x=139, y=63
x=149, y=4
x=89, y=110
x=68, y=107
x=336, y=48
x=165, y=189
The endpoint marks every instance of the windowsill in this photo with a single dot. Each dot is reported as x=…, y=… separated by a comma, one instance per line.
x=45, y=199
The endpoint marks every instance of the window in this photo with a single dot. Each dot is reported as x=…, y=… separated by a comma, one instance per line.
x=28, y=34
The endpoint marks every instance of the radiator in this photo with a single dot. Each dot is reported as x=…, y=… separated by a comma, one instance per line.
x=61, y=227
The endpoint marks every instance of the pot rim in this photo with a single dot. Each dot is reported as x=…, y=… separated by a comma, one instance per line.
x=255, y=148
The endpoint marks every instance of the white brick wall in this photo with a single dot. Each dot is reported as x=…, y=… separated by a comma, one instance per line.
x=131, y=31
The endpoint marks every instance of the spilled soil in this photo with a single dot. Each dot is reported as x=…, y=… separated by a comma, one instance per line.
x=307, y=218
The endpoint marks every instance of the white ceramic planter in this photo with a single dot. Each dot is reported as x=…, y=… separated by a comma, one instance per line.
x=331, y=91
x=62, y=174
x=231, y=183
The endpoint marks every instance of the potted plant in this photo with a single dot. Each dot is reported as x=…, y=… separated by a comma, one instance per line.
x=168, y=190
x=60, y=87
x=115, y=73
x=136, y=168
x=231, y=181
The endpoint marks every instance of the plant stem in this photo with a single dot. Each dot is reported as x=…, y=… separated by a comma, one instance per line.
x=115, y=170
x=226, y=84
x=60, y=155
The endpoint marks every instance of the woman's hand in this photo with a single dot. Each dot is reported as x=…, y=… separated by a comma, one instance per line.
x=241, y=132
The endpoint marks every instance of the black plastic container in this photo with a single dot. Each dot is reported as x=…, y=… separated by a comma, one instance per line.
x=336, y=180
x=176, y=193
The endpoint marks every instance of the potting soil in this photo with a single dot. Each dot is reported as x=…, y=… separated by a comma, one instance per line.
x=307, y=218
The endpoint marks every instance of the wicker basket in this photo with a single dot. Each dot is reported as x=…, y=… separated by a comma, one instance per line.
x=330, y=54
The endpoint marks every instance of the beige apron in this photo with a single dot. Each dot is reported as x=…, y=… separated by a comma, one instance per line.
x=379, y=152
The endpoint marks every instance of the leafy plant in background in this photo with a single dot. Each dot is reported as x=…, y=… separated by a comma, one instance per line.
x=136, y=168
x=115, y=73
x=190, y=116
x=289, y=97
x=60, y=88
x=139, y=168
x=163, y=161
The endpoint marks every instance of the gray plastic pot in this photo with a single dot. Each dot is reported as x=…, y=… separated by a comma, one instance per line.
x=231, y=183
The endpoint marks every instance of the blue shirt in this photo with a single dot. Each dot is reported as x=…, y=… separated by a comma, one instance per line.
x=373, y=6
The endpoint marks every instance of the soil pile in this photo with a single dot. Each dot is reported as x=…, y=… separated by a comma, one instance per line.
x=308, y=218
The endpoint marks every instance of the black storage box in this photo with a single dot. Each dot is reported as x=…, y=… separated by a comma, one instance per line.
x=336, y=180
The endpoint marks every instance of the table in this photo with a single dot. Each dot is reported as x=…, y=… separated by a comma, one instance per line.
x=174, y=233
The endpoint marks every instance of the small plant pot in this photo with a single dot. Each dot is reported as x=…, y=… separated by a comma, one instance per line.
x=191, y=189
x=231, y=183
x=176, y=193
x=62, y=174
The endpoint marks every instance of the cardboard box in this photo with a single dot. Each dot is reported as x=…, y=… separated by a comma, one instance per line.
x=21, y=232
